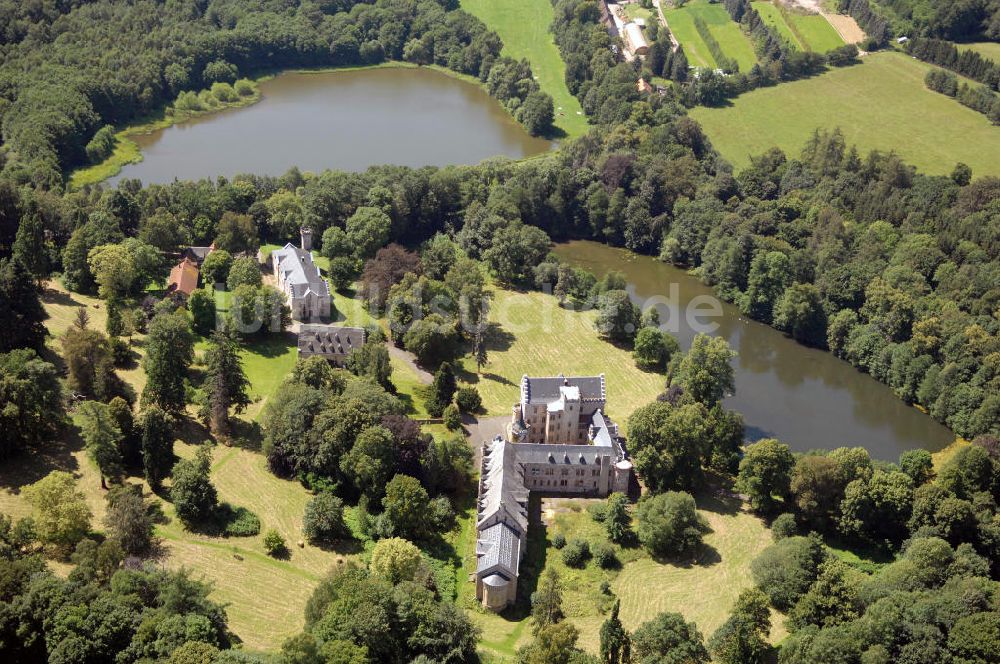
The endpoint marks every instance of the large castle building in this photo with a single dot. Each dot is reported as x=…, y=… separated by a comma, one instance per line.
x=559, y=443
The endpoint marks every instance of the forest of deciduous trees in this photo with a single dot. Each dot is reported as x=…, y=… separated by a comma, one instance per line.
x=67, y=73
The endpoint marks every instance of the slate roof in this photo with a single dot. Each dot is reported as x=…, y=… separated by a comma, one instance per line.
x=502, y=495
x=546, y=390
x=604, y=442
x=198, y=254
x=299, y=272
x=316, y=339
x=498, y=546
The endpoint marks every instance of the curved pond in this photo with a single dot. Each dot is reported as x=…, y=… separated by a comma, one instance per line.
x=345, y=120
x=802, y=396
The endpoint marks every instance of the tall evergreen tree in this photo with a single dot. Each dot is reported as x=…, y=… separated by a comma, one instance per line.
x=443, y=389
x=29, y=248
x=617, y=521
x=169, y=350
x=615, y=644
x=102, y=436
x=156, y=440
x=225, y=381
x=546, y=601
x=20, y=309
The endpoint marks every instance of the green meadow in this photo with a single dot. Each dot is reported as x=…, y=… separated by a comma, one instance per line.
x=880, y=104
x=523, y=25
x=731, y=39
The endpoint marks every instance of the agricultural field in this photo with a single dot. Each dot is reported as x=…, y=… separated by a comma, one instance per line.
x=701, y=590
x=815, y=31
x=805, y=31
x=733, y=42
x=523, y=25
x=880, y=104
x=990, y=50
x=538, y=337
x=771, y=15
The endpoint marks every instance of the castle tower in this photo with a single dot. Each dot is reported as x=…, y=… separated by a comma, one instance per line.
x=307, y=238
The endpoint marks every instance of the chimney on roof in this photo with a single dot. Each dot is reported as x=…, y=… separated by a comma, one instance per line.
x=307, y=238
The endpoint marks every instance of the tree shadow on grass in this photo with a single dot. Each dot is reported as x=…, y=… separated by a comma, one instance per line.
x=192, y=432
x=270, y=345
x=35, y=463
x=719, y=497
x=59, y=297
x=704, y=555
x=343, y=547
x=245, y=435
x=532, y=564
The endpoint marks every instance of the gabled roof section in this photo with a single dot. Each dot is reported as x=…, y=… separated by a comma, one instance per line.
x=183, y=277
x=319, y=339
x=503, y=497
x=499, y=549
x=549, y=389
x=299, y=272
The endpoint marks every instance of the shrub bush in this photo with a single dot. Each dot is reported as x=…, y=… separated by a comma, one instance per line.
x=558, y=540
x=238, y=521
x=604, y=555
x=224, y=92
x=452, y=420
x=575, y=553
x=323, y=520
x=121, y=353
x=598, y=511
x=244, y=87
x=784, y=526
x=274, y=543
x=468, y=400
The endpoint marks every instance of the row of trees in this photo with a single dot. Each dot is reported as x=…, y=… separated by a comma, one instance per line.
x=968, y=63
x=979, y=98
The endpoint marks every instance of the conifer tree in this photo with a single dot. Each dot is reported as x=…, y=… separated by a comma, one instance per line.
x=225, y=382
x=615, y=643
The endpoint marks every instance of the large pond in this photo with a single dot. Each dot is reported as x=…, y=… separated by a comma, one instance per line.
x=802, y=396
x=346, y=120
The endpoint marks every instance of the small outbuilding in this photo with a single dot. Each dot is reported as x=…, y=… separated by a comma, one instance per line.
x=635, y=40
x=183, y=277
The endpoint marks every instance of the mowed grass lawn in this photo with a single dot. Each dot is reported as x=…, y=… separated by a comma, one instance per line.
x=537, y=337
x=523, y=26
x=703, y=590
x=734, y=43
x=807, y=32
x=879, y=104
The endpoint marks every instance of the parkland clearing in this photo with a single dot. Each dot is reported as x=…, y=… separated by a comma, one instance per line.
x=522, y=331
